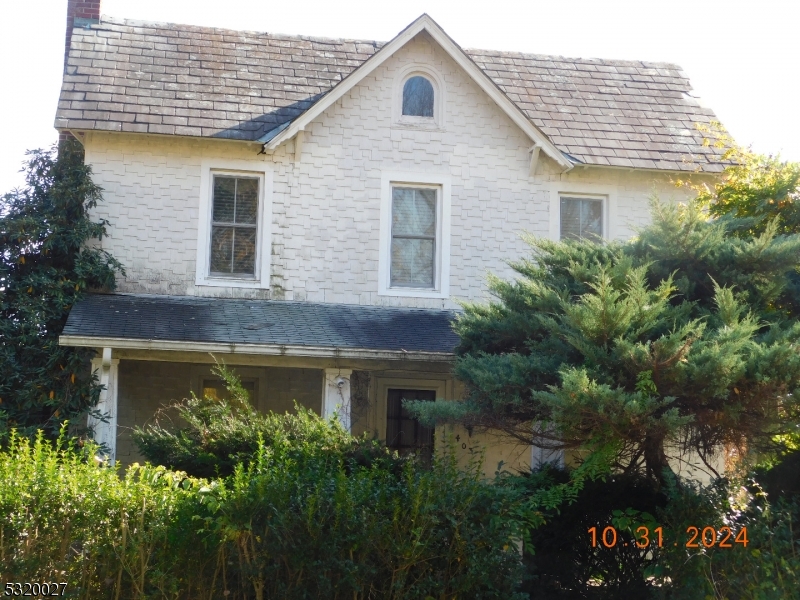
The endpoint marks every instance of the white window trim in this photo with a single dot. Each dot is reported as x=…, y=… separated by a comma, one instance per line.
x=442, y=387
x=606, y=193
x=441, y=287
x=410, y=122
x=245, y=168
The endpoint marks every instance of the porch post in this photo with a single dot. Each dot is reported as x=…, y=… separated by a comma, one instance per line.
x=106, y=433
x=336, y=394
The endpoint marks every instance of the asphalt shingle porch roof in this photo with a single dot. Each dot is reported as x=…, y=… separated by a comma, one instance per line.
x=261, y=322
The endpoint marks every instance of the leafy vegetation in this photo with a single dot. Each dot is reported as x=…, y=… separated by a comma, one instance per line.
x=756, y=189
x=47, y=263
x=663, y=345
x=301, y=520
x=215, y=435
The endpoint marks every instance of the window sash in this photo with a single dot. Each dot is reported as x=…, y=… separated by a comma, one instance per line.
x=246, y=226
x=418, y=97
x=412, y=281
x=581, y=218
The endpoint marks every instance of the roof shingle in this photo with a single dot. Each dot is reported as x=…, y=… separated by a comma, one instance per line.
x=186, y=80
x=261, y=322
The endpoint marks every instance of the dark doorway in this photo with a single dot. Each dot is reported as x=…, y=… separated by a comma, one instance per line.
x=404, y=433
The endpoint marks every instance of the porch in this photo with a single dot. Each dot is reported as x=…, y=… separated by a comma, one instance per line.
x=357, y=361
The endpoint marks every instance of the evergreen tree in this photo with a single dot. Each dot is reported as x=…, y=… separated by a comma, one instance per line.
x=668, y=343
x=47, y=263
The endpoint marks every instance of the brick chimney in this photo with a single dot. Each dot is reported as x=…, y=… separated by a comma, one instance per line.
x=80, y=13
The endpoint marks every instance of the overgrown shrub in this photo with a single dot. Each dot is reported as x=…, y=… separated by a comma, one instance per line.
x=560, y=557
x=563, y=564
x=767, y=568
x=65, y=517
x=208, y=437
x=781, y=479
x=298, y=521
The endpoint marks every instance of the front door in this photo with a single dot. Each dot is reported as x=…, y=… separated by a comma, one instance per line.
x=404, y=433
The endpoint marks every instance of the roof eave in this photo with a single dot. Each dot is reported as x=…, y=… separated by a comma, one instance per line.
x=252, y=349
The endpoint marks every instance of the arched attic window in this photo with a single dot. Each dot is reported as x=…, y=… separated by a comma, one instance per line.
x=418, y=97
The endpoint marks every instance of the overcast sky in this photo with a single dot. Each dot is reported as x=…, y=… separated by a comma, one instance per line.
x=742, y=57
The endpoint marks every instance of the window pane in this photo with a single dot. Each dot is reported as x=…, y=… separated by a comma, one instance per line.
x=413, y=212
x=244, y=250
x=233, y=249
x=418, y=97
x=246, y=200
x=224, y=199
x=592, y=219
x=581, y=218
x=412, y=262
x=221, y=249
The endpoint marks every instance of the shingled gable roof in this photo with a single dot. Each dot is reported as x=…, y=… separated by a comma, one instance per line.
x=185, y=80
x=423, y=23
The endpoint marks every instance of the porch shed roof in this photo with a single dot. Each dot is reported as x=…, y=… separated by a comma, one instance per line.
x=124, y=319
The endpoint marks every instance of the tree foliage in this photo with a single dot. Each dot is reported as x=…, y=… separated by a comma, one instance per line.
x=755, y=189
x=668, y=343
x=47, y=263
x=211, y=436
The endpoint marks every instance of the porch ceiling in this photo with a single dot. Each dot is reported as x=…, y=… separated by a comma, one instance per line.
x=258, y=326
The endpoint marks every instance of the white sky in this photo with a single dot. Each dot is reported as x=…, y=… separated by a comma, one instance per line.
x=742, y=57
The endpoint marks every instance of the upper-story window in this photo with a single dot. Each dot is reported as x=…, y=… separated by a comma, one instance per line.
x=418, y=97
x=414, y=231
x=234, y=226
x=414, y=254
x=581, y=218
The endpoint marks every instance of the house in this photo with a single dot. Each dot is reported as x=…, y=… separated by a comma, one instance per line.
x=311, y=210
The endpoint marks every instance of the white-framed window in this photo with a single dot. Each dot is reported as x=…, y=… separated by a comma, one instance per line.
x=419, y=98
x=234, y=225
x=414, y=257
x=581, y=218
x=235, y=219
x=582, y=211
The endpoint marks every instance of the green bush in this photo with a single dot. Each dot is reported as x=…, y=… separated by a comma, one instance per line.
x=215, y=435
x=561, y=559
x=767, y=568
x=66, y=517
x=562, y=564
x=298, y=521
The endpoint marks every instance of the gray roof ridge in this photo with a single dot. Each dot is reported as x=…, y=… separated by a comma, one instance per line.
x=127, y=22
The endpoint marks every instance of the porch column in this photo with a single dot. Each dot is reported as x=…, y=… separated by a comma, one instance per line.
x=336, y=394
x=107, y=370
